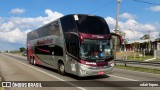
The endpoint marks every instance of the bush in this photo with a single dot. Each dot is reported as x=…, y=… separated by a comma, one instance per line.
x=22, y=49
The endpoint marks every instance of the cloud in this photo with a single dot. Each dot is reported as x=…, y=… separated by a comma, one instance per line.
x=7, y=26
x=111, y=22
x=127, y=16
x=1, y=19
x=17, y=11
x=15, y=29
x=15, y=35
x=51, y=16
x=155, y=8
x=139, y=29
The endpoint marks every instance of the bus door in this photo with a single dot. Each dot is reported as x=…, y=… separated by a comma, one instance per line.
x=72, y=46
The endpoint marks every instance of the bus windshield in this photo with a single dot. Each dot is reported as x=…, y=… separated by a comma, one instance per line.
x=95, y=49
x=92, y=25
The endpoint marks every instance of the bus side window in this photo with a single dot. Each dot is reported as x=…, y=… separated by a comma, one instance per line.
x=54, y=28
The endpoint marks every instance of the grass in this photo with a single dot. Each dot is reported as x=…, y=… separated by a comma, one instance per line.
x=156, y=60
x=138, y=58
x=141, y=69
x=17, y=53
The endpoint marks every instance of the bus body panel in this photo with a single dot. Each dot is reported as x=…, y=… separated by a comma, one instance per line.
x=54, y=42
x=43, y=48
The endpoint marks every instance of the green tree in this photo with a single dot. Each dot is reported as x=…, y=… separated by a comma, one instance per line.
x=146, y=36
x=157, y=39
x=21, y=49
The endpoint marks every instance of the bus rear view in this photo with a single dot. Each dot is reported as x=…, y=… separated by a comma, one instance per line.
x=85, y=43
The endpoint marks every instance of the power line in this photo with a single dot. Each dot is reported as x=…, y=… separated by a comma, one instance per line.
x=147, y=2
x=107, y=4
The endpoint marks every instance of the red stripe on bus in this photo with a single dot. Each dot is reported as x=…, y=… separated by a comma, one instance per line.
x=43, y=50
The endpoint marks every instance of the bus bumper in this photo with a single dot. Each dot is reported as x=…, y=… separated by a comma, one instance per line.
x=93, y=72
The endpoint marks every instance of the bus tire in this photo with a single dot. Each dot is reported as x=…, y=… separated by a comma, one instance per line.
x=32, y=60
x=29, y=60
x=61, y=68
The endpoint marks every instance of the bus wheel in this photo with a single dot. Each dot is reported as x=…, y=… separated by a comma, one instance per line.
x=32, y=61
x=61, y=68
x=29, y=60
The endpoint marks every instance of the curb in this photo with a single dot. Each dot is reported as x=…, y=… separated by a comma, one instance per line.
x=150, y=59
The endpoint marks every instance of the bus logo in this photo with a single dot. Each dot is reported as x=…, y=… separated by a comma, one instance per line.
x=45, y=41
x=97, y=36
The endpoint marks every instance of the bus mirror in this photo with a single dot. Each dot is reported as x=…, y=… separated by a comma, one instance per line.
x=119, y=38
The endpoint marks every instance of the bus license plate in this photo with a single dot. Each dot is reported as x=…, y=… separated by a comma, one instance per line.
x=101, y=72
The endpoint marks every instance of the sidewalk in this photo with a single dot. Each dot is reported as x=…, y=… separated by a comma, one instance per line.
x=150, y=59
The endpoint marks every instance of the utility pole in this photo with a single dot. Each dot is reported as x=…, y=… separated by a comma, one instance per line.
x=124, y=41
x=149, y=41
x=116, y=28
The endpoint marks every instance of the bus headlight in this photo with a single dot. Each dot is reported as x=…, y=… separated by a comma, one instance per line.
x=83, y=68
x=111, y=63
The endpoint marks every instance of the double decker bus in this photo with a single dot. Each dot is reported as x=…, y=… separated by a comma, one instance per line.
x=77, y=44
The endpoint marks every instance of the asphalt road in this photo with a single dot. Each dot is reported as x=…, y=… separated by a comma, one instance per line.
x=16, y=68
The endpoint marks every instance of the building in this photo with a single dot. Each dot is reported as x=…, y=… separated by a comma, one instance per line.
x=148, y=45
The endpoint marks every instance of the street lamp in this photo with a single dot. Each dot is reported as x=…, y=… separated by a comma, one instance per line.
x=116, y=28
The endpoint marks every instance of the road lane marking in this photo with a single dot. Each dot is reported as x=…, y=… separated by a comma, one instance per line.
x=81, y=88
x=123, y=78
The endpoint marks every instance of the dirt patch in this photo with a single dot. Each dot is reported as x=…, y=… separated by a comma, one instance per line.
x=121, y=55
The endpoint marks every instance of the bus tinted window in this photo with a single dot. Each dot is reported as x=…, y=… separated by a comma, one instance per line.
x=72, y=44
x=54, y=29
x=68, y=24
x=49, y=49
x=50, y=29
x=44, y=31
x=92, y=25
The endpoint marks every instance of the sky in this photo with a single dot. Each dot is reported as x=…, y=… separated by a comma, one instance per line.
x=18, y=17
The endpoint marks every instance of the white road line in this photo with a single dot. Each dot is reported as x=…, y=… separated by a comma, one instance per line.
x=123, y=78
x=81, y=88
x=72, y=83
